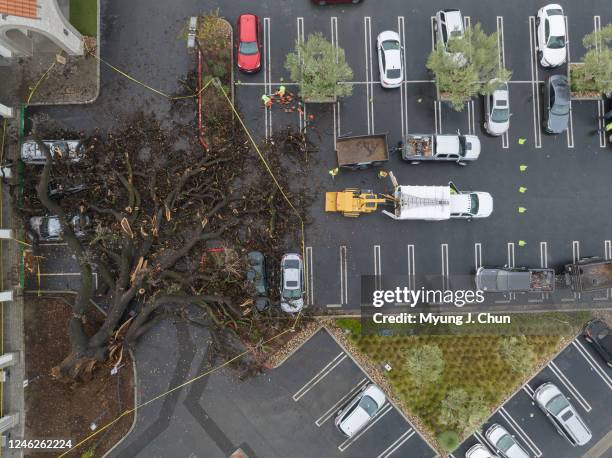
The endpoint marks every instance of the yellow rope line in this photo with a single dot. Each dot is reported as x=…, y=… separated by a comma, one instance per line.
x=42, y=78
x=165, y=393
x=157, y=91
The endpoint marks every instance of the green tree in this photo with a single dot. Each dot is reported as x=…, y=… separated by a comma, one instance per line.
x=463, y=411
x=448, y=440
x=596, y=72
x=461, y=78
x=425, y=364
x=517, y=354
x=318, y=66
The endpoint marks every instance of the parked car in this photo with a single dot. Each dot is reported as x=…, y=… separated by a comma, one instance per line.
x=556, y=104
x=497, y=109
x=599, y=335
x=258, y=276
x=551, y=36
x=32, y=154
x=479, y=451
x=448, y=27
x=502, y=441
x=515, y=279
x=292, y=283
x=357, y=413
x=390, y=59
x=457, y=148
x=333, y=2
x=562, y=414
x=248, y=55
x=57, y=188
x=49, y=229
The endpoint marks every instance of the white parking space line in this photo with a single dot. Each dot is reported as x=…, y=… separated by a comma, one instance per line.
x=535, y=88
x=300, y=39
x=343, y=276
x=600, y=371
x=53, y=244
x=309, y=277
x=444, y=260
x=401, y=29
x=344, y=399
x=319, y=376
x=528, y=390
x=511, y=257
x=471, y=120
x=397, y=444
x=544, y=262
x=477, y=256
x=267, y=76
x=69, y=274
x=411, y=268
x=377, y=267
x=480, y=438
x=576, y=258
x=367, y=36
x=502, y=64
x=570, y=128
x=520, y=432
x=438, y=116
x=600, y=112
x=336, y=106
x=570, y=387
x=350, y=441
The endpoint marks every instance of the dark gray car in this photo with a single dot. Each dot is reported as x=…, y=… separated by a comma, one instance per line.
x=556, y=104
x=258, y=276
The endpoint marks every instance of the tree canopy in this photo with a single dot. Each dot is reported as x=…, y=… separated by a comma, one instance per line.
x=318, y=66
x=461, y=79
x=596, y=72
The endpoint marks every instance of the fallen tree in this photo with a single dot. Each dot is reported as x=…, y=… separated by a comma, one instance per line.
x=156, y=210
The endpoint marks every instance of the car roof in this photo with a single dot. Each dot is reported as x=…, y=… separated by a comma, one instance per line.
x=248, y=24
x=447, y=144
x=559, y=82
x=453, y=19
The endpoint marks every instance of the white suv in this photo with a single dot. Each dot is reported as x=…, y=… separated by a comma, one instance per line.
x=551, y=36
x=449, y=27
x=360, y=410
x=390, y=59
x=292, y=283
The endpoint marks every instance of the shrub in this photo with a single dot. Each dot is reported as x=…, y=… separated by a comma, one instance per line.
x=517, y=354
x=596, y=72
x=448, y=440
x=425, y=364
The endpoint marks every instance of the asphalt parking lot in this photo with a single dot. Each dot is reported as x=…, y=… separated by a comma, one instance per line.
x=584, y=379
x=566, y=176
x=321, y=378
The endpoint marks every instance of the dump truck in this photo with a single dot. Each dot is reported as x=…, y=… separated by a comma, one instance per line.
x=362, y=151
x=458, y=148
x=515, y=279
x=437, y=203
x=352, y=202
x=589, y=274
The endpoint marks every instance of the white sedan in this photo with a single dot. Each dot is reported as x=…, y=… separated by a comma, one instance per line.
x=390, y=59
x=551, y=36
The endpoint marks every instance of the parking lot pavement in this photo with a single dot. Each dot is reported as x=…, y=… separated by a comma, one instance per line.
x=321, y=378
x=586, y=381
x=56, y=269
x=566, y=176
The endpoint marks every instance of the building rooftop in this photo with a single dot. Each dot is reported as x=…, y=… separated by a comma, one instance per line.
x=23, y=8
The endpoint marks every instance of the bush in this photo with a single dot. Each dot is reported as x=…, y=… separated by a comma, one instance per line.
x=425, y=364
x=354, y=326
x=517, y=354
x=596, y=72
x=448, y=440
x=463, y=411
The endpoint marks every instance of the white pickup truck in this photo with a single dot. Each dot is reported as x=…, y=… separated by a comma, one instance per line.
x=458, y=148
x=437, y=203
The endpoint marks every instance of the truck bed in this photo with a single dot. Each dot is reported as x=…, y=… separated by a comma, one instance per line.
x=418, y=146
x=542, y=280
x=362, y=149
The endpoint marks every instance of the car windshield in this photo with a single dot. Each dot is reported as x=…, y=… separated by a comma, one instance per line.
x=500, y=114
x=463, y=145
x=557, y=404
x=248, y=48
x=390, y=45
x=560, y=109
x=369, y=405
x=394, y=73
x=456, y=33
x=556, y=42
x=292, y=293
x=473, y=204
x=291, y=264
x=505, y=442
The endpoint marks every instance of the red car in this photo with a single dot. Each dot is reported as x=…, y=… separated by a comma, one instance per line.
x=249, y=47
x=333, y=2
